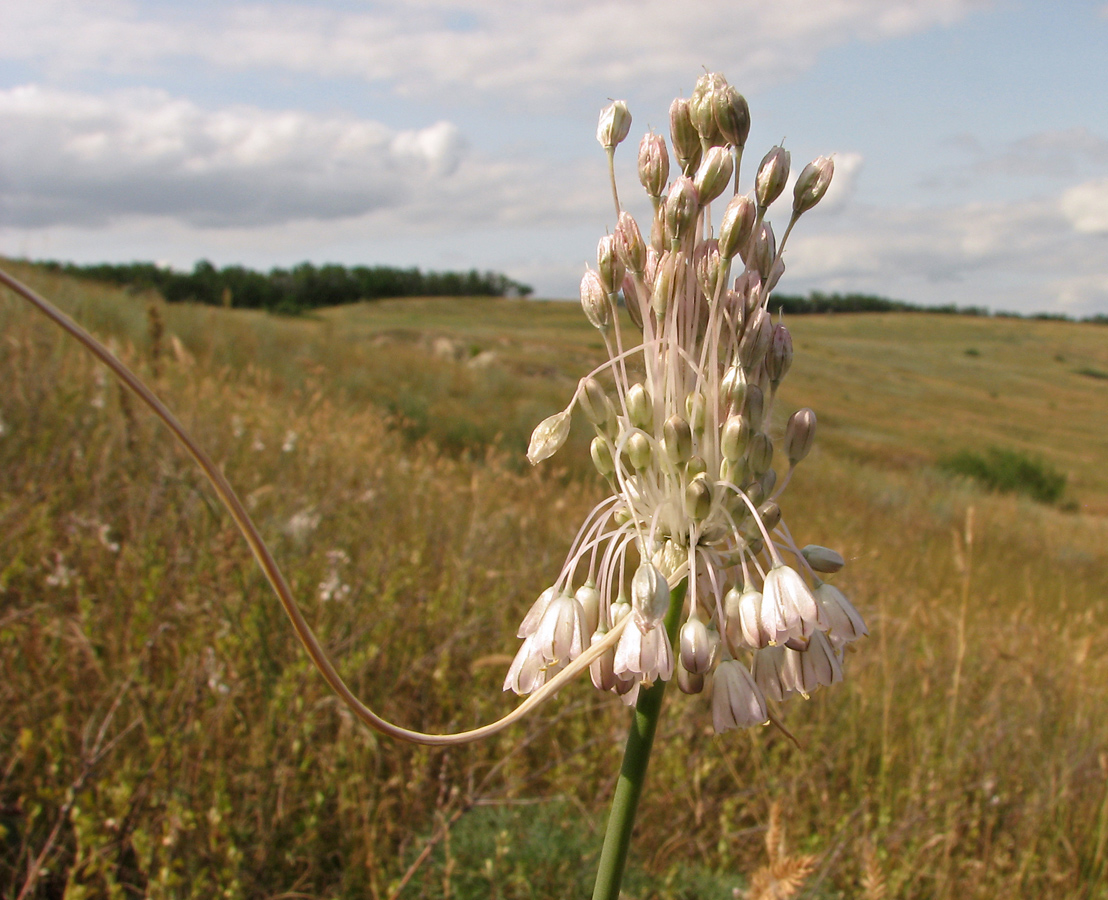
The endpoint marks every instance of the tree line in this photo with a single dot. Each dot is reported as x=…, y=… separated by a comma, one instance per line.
x=294, y=290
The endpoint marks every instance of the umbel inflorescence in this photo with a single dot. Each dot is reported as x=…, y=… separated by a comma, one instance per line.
x=685, y=439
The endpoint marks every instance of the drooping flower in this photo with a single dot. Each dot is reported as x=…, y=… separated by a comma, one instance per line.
x=686, y=440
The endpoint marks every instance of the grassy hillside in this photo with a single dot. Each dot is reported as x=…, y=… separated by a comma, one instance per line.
x=163, y=735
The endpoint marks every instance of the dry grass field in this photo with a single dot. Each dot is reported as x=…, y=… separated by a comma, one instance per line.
x=163, y=735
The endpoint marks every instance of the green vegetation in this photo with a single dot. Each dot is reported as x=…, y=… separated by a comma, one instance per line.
x=163, y=735
x=1010, y=471
x=293, y=290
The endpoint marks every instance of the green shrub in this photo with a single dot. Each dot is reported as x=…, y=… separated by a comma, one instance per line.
x=1009, y=471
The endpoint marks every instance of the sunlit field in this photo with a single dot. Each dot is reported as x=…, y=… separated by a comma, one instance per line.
x=162, y=734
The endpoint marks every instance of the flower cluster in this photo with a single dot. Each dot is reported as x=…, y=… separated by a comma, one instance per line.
x=683, y=419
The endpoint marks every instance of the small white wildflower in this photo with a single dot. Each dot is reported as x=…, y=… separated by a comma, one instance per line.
x=301, y=524
x=290, y=442
x=61, y=575
x=737, y=701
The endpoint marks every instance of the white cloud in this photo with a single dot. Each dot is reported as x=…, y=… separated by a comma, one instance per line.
x=1086, y=206
x=76, y=158
x=473, y=49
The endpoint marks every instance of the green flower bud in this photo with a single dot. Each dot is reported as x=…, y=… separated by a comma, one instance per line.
x=698, y=498
x=753, y=406
x=772, y=175
x=639, y=451
x=713, y=175
x=615, y=122
x=812, y=184
x=682, y=207
x=594, y=402
x=678, y=439
x=732, y=115
x=800, y=433
x=640, y=408
x=759, y=453
x=601, y=452
x=662, y=293
x=823, y=559
x=737, y=225
x=695, y=466
x=734, y=438
x=683, y=134
x=770, y=514
x=696, y=408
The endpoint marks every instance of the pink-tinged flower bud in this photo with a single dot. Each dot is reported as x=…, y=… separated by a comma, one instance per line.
x=812, y=184
x=760, y=252
x=686, y=681
x=615, y=122
x=678, y=440
x=779, y=357
x=589, y=598
x=800, y=434
x=601, y=452
x=753, y=407
x=823, y=559
x=697, y=647
x=609, y=267
x=710, y=272
x=737, y=701
x=594, y=300
x=640, y=408
x=602, y=670
x=649, y=597
x=630, y=247
x=701, y=110
x=594, y=403
x=772, y=175
x=683, y=135
x=732, y=115
x=560, y=636
x=682, y=207
x=653, y=164
x=713, y=175
x=737, y=225
x=548, y=437
x=755, y=339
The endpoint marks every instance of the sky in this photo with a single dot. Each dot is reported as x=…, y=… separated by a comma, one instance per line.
x=970, y=138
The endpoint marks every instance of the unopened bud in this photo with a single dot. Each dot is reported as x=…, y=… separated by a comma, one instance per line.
x=713, y=175
x=737, y=225
x=594, y=300
x=678, y=439
x=695, y=466
x=662, y=293
x=753, y=405
x=696, y=647
x=812, y=184
x=601, y=452
x=770, y=514
x=772, y=175
x=800, y=434
x=759, y=453
x=629, y=245
x=732, y=115
x=615, y=122
x=608, y=264
x=761, y=251
x=709, y=269
x=682, y=207
x=602, y=669
x=632, y=301
x=640, y=409
x=823, y=559
x=756, y=338
x=589, y=598
x=734, y=438
x=649, y=596
x=733, y=386
x=686, y=681
x=594, y=402
x=683, y=134
x=638, y=451
x=779, y=357
x=701, y=107
x=698, y=498
x=653, y=164
x=696, y=408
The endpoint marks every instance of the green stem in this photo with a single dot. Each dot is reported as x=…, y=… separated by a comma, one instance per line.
x=632, y=774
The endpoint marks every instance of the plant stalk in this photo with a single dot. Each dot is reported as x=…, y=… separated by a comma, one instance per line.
x=632, y=774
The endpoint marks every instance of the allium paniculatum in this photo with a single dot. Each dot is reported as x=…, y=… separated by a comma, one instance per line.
x=687, y=443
